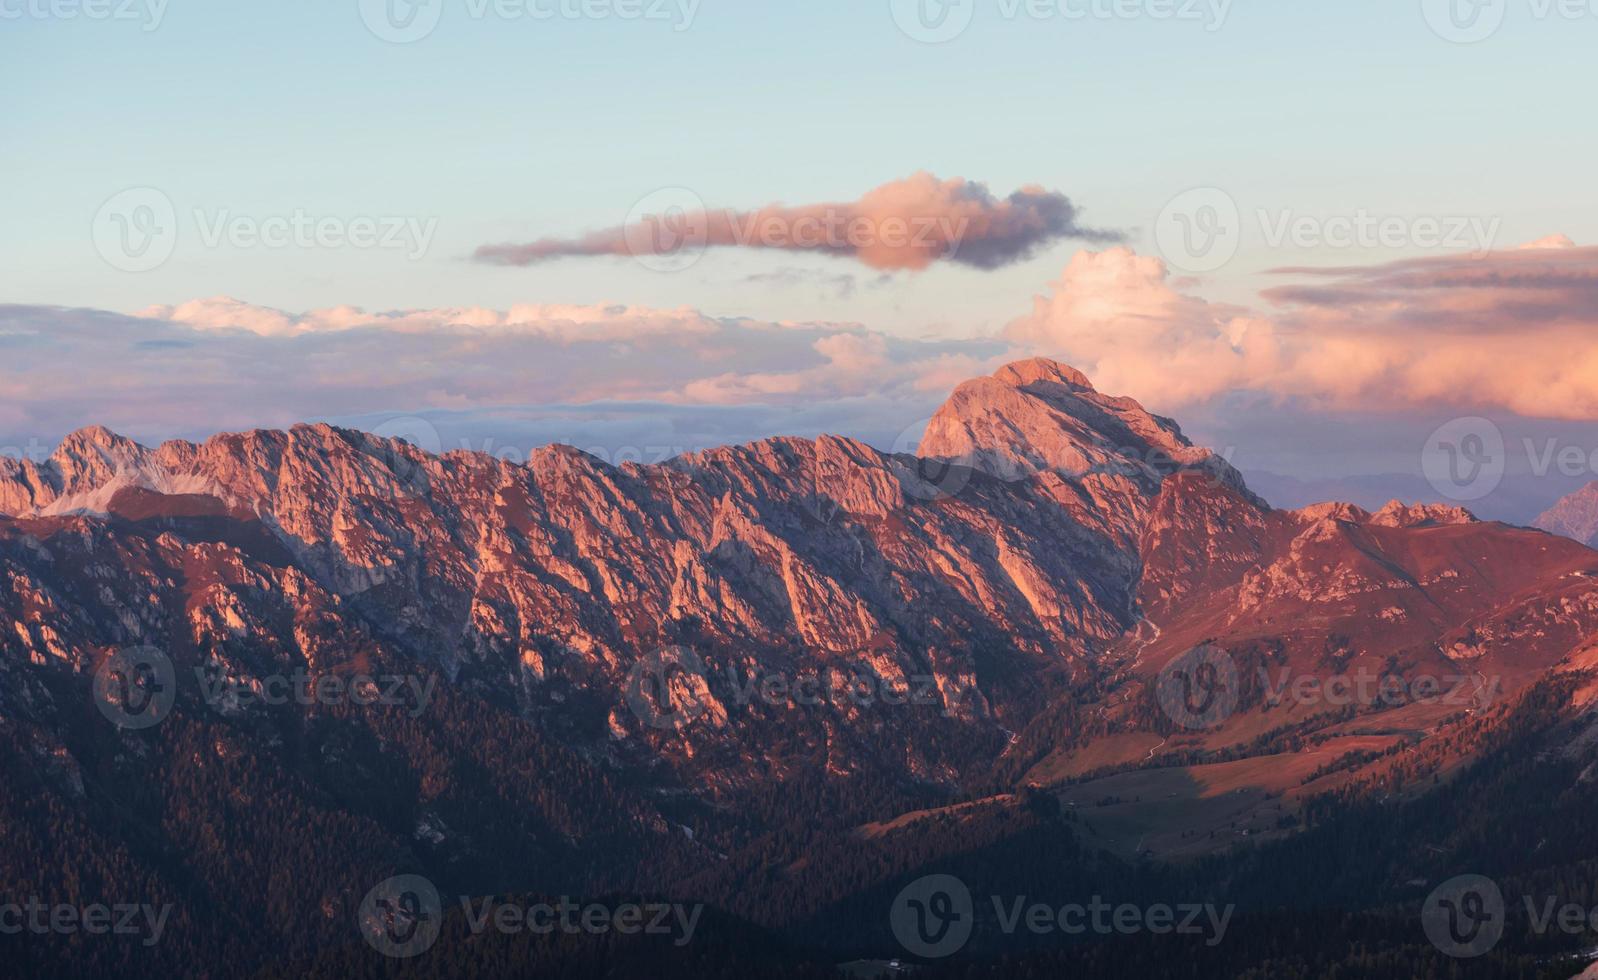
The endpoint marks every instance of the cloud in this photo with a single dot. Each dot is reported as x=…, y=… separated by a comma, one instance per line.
x=679, y=377
x=907, y=224
x=1510, y=331
x=855, y=365
x=1552, y=241
x=561, y=322
x=1117, y=316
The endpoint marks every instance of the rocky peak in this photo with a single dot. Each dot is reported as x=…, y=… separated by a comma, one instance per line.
x=1038, y=415
x=1395, y=513
x=87, y=460
x=1022, y=373
x=1399, y=514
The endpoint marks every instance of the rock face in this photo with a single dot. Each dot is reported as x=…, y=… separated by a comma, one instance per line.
x=1574, y=516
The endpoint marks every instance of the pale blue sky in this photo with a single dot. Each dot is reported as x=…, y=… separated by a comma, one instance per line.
x=500, y=128
x=510, y=129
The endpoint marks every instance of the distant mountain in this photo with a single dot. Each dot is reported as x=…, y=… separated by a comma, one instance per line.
x=776, y=677
x=1574, y=516
x=1518, y=499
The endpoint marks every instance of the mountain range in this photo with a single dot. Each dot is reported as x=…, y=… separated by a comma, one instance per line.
x=1059, y=647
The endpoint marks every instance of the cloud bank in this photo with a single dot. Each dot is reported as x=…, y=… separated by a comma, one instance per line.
x=521, y=377
x=1509, y=330
x=1378, y=353
x=907, y=224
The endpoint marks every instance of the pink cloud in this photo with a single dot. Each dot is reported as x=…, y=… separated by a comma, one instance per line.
x=903, y=225
x=1117, y=315
x=857, y=364
x=545, y=364
x=563, y=322
x=1509, y=330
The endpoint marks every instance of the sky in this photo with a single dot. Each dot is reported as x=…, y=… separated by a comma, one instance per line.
x=1115, y=182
